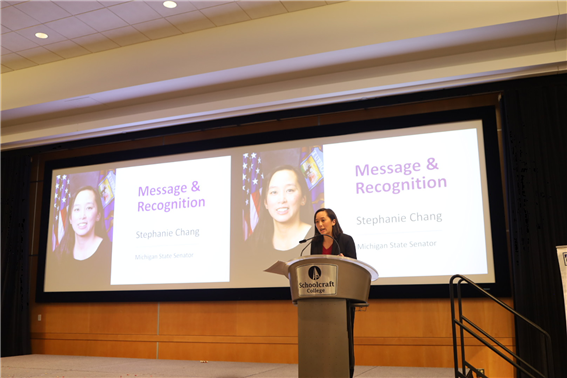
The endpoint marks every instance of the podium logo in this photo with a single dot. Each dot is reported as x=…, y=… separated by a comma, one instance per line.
x=317, y=279
x=315, y=272
x=565, y=258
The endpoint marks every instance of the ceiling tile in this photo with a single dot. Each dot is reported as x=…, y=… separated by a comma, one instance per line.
x=16, y=42
x=67, y=49
x=157, y=29
x=40, y=55
x=6, y=69
x=225, y=14
x=95, y=43
x=16, y=62
x=43, y=11
x=6, y=51
x=4, y=4
x=29, y=33
x=15, y=19
x=126, y=36
x=113, y=3
x=102, y=20
x=293, y=6
x=71, y=27
x=5, y=29
x=259, y=9
x=183, y=6
x=208, y=4
x=134, y=12
x=190, y=22
x=78, y=7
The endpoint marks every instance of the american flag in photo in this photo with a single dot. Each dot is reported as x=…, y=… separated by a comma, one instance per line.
x=61, y=206
x=109, y=208
x=252, y=177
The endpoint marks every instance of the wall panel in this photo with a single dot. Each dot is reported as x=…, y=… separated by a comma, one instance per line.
x=199, y=318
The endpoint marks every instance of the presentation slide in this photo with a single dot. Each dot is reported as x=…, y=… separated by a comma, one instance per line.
x=415, y=204
x=415, y=201
x=170, y=231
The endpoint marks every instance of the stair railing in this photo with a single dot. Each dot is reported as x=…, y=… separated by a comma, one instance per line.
x=465, y=324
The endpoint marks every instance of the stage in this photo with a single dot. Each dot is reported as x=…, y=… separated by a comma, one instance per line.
x=39, y=365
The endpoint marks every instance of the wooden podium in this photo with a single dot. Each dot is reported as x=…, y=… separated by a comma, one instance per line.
x=324, y=287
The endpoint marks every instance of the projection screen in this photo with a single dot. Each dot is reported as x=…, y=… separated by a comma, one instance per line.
x=415, y=200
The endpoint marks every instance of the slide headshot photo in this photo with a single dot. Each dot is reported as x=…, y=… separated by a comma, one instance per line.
x=81, y=229
x=281, y=191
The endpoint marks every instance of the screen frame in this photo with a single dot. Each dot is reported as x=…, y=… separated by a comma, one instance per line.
x=486, y=114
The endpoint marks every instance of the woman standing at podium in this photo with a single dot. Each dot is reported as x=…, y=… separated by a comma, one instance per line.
x=326, y=223
x=340, y=244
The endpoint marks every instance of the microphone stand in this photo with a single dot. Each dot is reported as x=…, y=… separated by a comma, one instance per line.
x=316, y=236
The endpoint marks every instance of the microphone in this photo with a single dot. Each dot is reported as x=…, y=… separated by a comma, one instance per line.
x=316, y=236
x=304, y=240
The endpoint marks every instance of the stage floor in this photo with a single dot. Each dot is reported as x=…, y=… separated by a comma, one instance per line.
x=40, y=365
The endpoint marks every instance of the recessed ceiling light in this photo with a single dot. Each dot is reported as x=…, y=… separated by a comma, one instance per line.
x=169, y=4
x=41, y=35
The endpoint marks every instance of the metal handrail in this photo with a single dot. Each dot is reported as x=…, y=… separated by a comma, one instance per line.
x=461, y=320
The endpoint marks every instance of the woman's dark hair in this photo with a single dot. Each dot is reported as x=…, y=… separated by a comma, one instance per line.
x=264, y=231
x=68, y=241
x=337, y=230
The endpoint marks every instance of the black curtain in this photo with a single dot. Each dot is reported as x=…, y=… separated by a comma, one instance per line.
x=535, y=135
x=16, y=338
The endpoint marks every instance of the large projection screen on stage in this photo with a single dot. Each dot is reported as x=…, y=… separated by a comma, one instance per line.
x=205, y=223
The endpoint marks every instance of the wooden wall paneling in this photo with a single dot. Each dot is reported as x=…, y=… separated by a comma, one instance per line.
x=197, y=318
x=404, y=355
x=404, y=318
x=61, y=318
x=122, y=349
x=124, y=318
x=267, y=318
x=60, y=347
x=490, y=316
x=431, y=356
x=268, y=353
x=83, y=346
x=198, y=351
x=93, y=318
x=493, y=364
x=429, y=318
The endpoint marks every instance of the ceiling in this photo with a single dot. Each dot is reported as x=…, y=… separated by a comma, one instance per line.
x=124, y=66
x=77, y=28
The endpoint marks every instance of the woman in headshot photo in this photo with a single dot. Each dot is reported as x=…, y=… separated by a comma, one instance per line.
x=85, y=249
x=85, y=233
x=286, y=210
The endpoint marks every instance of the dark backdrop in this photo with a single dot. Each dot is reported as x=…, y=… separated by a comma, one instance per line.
x=535, y=149
x=535, y=136
x=15, y=254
